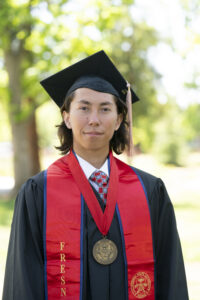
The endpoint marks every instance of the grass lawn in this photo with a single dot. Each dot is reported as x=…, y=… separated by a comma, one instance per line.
x=183, y=187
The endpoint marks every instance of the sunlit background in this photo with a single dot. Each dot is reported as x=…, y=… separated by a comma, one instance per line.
x=155, y=45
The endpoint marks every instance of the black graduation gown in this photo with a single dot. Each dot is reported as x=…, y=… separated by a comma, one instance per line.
x=24, y=276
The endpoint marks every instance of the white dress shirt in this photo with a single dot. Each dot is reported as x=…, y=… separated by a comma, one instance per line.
x=88, y=169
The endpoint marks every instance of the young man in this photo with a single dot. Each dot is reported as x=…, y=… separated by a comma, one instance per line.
x=91, y=227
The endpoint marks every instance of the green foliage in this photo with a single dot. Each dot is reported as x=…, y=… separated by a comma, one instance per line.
x=48, y=115
x=144, y=133
x=26, y=41
x=191, y=122
x=170, y=149
x=16, y=22
x=169, y=145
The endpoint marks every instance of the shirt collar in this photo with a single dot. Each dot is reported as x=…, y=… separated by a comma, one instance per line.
x=88, y=169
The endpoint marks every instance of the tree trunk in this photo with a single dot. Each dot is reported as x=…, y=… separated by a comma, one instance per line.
x=25, y=148
x=24, y=134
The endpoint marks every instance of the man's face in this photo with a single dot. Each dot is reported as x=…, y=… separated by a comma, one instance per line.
x=93, y=119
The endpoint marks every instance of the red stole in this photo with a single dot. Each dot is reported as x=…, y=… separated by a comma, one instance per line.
x=63, y=253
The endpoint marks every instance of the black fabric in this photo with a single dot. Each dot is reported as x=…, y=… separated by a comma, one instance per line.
x=25, y=268
x=97, y=65
x=95, y=83
x=105, y=282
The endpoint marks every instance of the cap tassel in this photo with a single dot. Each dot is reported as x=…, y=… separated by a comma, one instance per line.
x=130, y=149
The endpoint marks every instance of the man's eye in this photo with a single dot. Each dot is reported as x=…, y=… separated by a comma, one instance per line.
x=106, y=109
x=83, y=107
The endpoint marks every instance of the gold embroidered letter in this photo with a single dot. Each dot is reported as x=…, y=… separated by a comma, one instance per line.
x=62, y=244
x=62, y=257
x=62, y=279
x=62, y=268
x=63, y=291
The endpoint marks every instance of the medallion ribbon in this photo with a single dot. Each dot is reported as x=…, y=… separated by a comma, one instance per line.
x=102, y=219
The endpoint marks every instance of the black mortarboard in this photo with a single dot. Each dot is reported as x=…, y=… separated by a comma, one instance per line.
x=96, y=72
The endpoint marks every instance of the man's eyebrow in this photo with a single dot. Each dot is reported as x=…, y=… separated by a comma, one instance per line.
x=106, y=103
x=83, y=101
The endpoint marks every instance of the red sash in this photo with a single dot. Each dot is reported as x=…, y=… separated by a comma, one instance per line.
x=63, y=232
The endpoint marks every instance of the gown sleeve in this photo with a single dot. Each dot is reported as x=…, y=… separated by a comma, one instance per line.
x=24, y=268
x=170, y=272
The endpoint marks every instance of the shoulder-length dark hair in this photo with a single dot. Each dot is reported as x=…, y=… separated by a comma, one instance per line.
x=119, y=140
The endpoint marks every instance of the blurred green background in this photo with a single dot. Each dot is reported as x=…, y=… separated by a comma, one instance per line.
x=155, y=45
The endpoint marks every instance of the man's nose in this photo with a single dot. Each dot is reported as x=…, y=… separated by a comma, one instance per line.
x=94, y=118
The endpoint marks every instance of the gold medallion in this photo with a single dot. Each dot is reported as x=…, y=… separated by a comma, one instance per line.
x=105, y=251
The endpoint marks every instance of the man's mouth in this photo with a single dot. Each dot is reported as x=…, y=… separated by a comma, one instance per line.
x=93, y=133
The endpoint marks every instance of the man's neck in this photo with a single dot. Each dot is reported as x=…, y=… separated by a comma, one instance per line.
x=95, y=159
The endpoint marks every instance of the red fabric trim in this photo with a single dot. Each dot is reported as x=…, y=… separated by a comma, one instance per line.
x=102, y=219
x=63, y=233
x=136, y=223
x=63, y=228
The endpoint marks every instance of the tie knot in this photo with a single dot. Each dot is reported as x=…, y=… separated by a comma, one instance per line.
x=100, y=178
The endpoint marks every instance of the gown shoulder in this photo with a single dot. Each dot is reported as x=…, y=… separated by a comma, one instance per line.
x=24, y=267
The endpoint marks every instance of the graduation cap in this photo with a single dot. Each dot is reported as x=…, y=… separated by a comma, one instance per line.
x=96, y=72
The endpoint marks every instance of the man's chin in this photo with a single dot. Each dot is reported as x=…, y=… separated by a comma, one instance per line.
x=96, y=147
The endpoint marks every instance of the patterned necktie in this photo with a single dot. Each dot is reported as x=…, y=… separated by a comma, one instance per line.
x=101, y=179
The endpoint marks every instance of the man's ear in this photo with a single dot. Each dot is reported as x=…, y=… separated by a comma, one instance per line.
x=66, y=119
